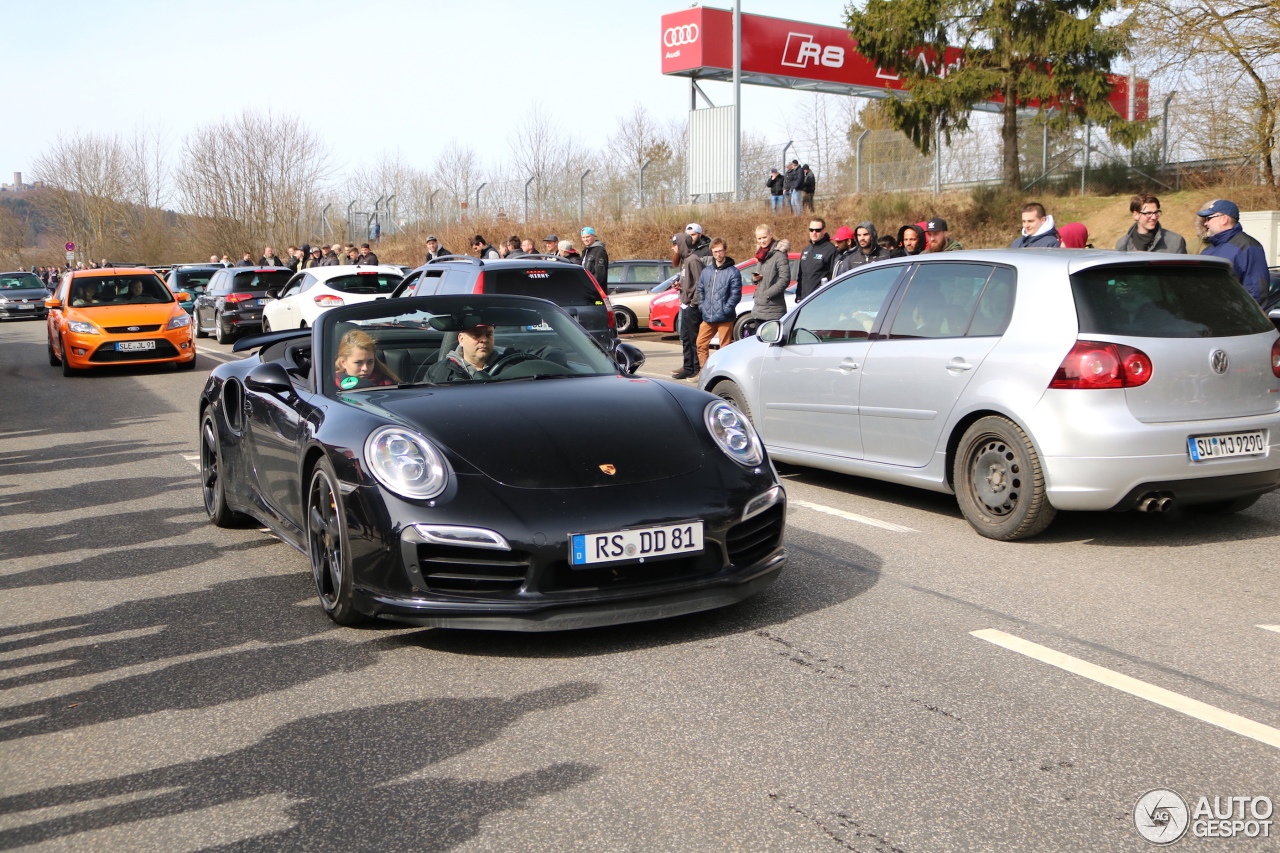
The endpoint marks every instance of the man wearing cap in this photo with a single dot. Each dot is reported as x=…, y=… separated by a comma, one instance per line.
x=692, y=252
x=937, y=238
x=435, y=250
x=367, y=257
x=595, y=259
x=1226, y=239
x=816, y=261
x=808, y=186
x=328, y=257
x=791, y=185
x=1147, y=234
x=774, y=183
x=550, y=244
x=475, y=357
x=846, y=252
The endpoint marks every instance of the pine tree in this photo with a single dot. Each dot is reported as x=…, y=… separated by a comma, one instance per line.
x=1056, y=52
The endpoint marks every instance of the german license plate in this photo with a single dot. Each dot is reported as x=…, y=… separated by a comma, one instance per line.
x=24, y=307
x=1203, y=447
x=133, y=346
x=262, y=302
x=635, y=544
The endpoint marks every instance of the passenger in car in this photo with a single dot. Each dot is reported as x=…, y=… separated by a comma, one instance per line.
x=86, y=294
x=358, y=365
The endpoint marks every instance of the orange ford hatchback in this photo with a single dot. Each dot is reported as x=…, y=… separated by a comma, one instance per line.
x=117, y=315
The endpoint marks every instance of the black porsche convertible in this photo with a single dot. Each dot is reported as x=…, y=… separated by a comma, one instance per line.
x=480, y=462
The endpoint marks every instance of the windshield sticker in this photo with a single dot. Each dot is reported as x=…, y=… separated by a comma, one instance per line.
x=349, y=382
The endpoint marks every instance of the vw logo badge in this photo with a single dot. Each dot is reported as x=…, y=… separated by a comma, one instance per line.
x=139, y=329
x=676, y=36
x=1219, y=361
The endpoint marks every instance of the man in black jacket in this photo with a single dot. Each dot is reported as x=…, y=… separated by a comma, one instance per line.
x=816, y=261
x=775, y=190
x=791, y=185
x=692, y=252
x=269, y=258
x=435, y=250
x=595, y=259
x=808, y=186
x=367, y=257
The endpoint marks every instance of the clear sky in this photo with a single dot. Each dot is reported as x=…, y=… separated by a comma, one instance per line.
x=406, y=75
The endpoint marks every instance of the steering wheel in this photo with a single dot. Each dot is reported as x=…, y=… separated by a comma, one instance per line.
x=521, y=364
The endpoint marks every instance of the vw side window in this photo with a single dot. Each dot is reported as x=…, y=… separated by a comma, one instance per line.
x=940, y=300
x=995, y=307
x=846, y=310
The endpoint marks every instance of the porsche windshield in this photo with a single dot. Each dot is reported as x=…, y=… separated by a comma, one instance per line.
x=446, y=340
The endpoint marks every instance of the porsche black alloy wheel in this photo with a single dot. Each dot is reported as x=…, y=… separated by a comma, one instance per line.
x=328, y=547
x=625, y=320
x=731, y=392
x=211, y=485
x=999, y=483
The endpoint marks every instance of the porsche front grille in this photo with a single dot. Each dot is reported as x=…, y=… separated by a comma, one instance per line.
x=754, y=539
x=471, y=571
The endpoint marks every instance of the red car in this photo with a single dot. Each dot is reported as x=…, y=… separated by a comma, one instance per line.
x=665, y=307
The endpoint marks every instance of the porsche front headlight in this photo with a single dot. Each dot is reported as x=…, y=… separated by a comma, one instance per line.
x=734, y=433
x=406, y=463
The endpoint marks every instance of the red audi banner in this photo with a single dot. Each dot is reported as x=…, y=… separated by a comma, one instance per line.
x=698, y=43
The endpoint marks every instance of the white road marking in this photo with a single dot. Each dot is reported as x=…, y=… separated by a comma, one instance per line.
x=853, y=516
x=193, y=460
x=1275, y=628
x=1167, y=698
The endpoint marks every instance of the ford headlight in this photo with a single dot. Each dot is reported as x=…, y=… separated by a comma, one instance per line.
x=82, y=328
x=406, y=463
x=734, y=433
x=177, y=321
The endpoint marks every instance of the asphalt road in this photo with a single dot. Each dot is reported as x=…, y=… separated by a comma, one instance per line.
x=169, y=686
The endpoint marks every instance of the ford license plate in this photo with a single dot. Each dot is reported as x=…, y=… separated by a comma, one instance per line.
x=1203, y=447
x=133, y=346
x=635, y=544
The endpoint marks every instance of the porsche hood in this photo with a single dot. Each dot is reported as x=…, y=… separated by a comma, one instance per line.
x=573, y=432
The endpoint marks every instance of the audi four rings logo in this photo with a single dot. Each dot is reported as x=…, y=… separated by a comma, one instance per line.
x=1219, y=361
x=676, y=36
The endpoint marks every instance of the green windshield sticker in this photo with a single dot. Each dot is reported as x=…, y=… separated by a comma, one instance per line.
x=350, y=382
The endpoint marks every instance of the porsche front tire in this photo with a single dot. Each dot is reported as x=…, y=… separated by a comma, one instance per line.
x=329, y=548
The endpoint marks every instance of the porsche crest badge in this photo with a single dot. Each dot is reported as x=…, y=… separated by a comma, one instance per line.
x=609, y=469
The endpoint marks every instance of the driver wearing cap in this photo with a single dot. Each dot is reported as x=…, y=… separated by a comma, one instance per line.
x=476, y=358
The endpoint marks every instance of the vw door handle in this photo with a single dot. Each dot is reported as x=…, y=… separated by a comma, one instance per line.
x=848, y=365
x=959, y=364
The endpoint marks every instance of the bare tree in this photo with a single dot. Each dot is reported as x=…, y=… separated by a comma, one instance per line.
x=253, y=180
x=457, y=173
x=88, y=183
x=1226, y=56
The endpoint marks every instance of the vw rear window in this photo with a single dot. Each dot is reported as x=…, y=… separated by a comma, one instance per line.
x=380, y=283
x=562, y=286
x=1158, y=301
x=261, y=280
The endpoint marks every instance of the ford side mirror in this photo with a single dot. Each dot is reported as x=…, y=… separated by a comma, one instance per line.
x=770, y=331
x=53, y=302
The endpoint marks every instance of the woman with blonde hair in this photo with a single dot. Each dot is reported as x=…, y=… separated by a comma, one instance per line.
x=358, y=365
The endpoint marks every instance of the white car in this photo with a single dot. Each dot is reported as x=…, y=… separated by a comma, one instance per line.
x=313, y=291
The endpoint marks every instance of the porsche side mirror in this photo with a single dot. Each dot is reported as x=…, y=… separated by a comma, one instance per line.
x=629, y=357
x=770, y=331
x=273, y=293
x=270, y=378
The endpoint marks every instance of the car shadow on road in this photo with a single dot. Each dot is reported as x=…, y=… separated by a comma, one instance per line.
x=88, y=454
x=90, y=494
x=825, y=573
x=119, y=530
x=339, y=771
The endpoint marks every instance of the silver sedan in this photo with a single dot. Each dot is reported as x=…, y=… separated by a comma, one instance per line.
x=1025, y=382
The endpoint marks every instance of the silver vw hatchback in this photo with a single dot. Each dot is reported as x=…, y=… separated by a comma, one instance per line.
x=1024, y=381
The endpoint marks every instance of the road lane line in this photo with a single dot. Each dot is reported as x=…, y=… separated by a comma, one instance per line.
x=1167, y=698
x=853, y=516
x=194, y=461
x=1275, y=628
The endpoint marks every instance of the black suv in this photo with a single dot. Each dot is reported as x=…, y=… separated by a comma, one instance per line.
x=233, y=299
x=562, y=282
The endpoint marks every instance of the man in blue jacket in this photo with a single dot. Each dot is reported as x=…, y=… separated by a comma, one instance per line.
x=1221, y=219
x=719, y=291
